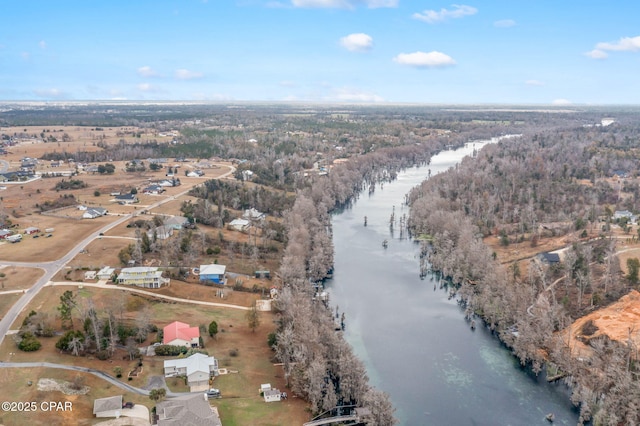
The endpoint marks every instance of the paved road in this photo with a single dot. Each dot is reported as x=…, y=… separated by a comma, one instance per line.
x=52, y=268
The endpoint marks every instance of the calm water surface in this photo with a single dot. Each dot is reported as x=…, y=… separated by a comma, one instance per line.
x=414, y=341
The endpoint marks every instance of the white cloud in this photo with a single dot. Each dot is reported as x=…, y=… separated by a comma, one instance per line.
x=358, y=42
x=597, y=54
x=184, y=74
x=504, y=23
x=42, y=44
x=534, y=83
x=146, y=87
x=425, y=60
x=147, y=72
x=561, y=102
x=625, y=44
x=344, y=4
x=434, y=16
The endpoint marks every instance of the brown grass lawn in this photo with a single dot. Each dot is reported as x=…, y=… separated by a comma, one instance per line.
x=16, y=277
x=240, y=405
x=7, y=301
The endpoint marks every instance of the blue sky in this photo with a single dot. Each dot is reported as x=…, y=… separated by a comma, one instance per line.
x=487, y=51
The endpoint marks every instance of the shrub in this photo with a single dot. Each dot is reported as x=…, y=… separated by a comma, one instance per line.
x=170, y=350
x=29, y=343
x=234, y=352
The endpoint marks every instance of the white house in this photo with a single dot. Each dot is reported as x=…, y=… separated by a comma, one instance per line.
x=142, y=276
x=161, y=232
x=105, y=273
x=253, y=215
x=198, y=369
x=93, y=212
x=108, y=407
x=239, y=224
x=90, y=275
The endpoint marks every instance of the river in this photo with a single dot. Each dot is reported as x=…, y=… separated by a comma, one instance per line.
x=413, y=339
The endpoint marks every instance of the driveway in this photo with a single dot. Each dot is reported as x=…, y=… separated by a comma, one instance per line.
x=138, y=411
x=156, y=382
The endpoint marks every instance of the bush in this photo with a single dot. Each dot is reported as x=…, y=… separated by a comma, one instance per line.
x=234, y=352
x=102, y=355
x=29, y=343
x=170, y=350
x=96, y=193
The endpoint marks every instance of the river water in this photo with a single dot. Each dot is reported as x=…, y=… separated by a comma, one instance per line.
x=413, y=339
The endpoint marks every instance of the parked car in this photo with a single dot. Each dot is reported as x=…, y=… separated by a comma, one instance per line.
x=128, y=405
x=214, y=393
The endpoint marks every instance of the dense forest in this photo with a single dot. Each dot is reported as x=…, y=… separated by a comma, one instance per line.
x=564, y=181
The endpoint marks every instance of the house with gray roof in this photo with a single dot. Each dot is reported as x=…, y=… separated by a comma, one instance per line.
x=108, y=407
x=187, y=410
x=198, y=368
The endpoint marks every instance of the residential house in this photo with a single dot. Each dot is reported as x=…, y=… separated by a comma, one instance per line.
x=239, y=224
x=105, y=273
x=108, y=407
x=247, y=175
x=154, y=189
x=187, y=410
x=126, y=198
x=90, y=275
x=213, y=274
x=253, y=215
x=198, y=369
x=32, y=230
x=180, y=334
x=621, y=214
x=550, y=258
x=93, y=212
x=176, y=222
x=160, y=233
x=142, y=276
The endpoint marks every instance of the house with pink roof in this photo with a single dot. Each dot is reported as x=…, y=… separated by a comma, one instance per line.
x=180, y=334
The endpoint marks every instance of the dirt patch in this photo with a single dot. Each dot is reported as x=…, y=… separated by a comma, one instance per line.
x=619, y=321
x=67, y=388
x=18, y=278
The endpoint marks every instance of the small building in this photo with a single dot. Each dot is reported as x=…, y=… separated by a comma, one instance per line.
x=142, y=276
x=187, y=410
x=108, y=407
x=105, y=273
x=90, y=275
x=180, y=334
x=272, y=395
x=253, y=215
x=154, y=189
x=94, y=212
x=176, y=222
x=126, y=198
x=239, y=224
x=160, y=233
x=213, y=274
x=550, y=258
x=4, y=233
x=32, y=230
x=198, y=369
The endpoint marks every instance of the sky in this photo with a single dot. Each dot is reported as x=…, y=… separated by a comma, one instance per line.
x=551, y=52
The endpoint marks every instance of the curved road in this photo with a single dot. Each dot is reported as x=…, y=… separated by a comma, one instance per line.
x=95, y=372
x=51, y=268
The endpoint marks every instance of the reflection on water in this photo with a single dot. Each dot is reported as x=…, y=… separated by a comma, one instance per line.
x=413, y=339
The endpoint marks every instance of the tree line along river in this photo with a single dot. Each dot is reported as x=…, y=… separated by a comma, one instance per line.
x=413, y=338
